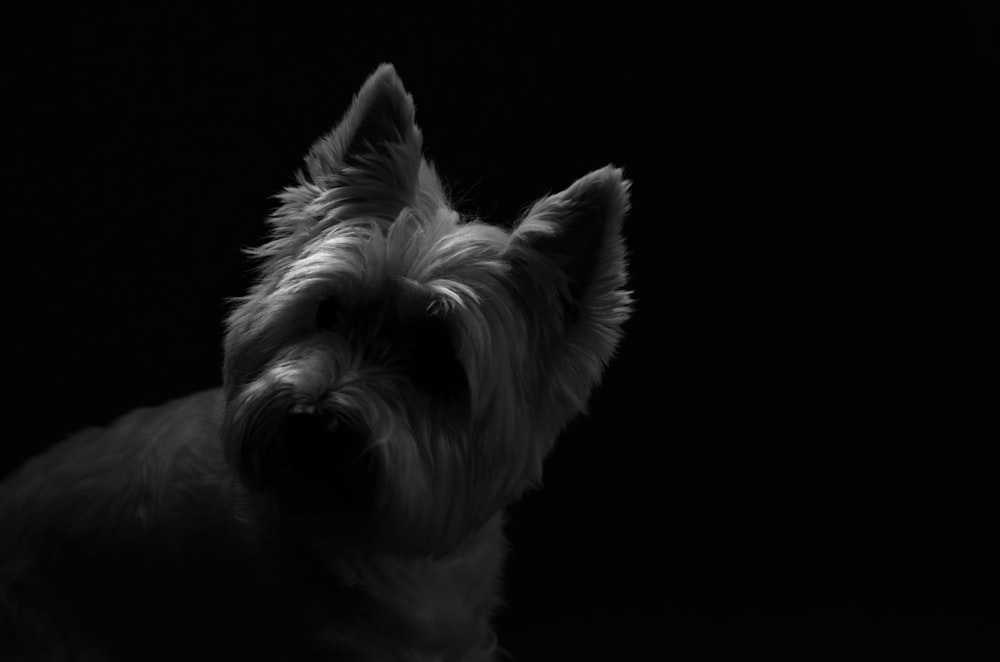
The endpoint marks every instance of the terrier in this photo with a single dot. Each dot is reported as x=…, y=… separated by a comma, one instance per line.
x=392, y=381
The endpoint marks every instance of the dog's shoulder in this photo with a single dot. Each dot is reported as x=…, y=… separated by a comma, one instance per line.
x=146, y=462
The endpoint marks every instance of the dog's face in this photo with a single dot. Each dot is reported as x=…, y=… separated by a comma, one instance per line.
x=399, y=372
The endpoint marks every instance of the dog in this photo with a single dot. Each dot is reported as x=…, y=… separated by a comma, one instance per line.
x=391, y=382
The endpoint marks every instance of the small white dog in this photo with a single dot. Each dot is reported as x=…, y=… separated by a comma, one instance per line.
x=391, y=383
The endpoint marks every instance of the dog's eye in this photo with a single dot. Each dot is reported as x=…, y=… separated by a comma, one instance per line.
x=432, y=364
x=327, y=314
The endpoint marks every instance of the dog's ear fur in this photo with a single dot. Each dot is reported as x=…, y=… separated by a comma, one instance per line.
x=369, y=166
x=579, y=231
x=578, y=235
x=380, y=116
x=375, y=150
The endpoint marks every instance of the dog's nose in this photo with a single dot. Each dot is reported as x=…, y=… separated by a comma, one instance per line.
x=330, y=452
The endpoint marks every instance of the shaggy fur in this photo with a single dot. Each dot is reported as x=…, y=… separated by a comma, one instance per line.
x=392, y=381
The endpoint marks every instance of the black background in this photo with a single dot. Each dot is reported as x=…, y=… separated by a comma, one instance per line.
x=798, y=395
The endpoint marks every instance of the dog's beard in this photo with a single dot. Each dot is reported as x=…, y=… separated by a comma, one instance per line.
x=357, y=448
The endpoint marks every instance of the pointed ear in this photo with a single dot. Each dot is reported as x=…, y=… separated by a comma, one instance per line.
x=568, y=260
x=578, y=231
x=375, y=146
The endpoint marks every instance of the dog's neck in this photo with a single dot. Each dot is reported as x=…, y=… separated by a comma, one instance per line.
x=435, y=602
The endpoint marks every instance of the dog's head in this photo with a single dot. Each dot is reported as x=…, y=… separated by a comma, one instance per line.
x=399, y=371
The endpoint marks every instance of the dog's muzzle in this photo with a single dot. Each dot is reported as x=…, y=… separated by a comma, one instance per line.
x=329, y=453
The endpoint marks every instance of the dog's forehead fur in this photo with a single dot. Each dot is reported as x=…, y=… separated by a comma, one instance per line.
x=453, y=264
